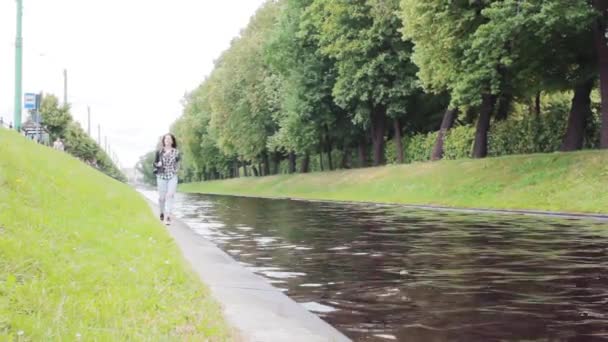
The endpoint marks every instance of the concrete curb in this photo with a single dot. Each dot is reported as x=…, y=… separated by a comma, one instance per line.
x=260, y=312
x=554, y=214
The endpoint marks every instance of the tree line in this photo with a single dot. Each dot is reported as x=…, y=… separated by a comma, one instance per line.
x=323, y=84
x=59, y=123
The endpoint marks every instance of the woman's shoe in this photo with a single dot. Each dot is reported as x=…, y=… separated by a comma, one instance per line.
x=162, y=216
x=168, y=221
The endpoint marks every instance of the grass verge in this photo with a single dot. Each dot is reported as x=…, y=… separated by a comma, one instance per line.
x=565, y=182
x=83, y=258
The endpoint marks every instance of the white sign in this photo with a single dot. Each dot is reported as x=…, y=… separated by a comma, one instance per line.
x=29, y=101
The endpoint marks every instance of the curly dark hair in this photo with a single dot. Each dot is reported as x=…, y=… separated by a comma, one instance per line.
x=174, y=144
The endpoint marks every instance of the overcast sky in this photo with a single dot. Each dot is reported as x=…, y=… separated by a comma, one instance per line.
x=131, y=61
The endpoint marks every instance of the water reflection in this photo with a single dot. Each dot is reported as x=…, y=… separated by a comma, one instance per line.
x=381, y=273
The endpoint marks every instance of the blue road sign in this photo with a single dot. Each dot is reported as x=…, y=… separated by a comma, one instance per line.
x=29, y=101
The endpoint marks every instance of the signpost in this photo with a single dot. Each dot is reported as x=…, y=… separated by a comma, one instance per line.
x=29, y=101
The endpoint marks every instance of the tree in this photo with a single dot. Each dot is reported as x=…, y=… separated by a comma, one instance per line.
x=446, y=53
x=544, y=45
x=242, y=102
x=601, y=47
x=54, y=117
x=374, y=72
x=59, y=123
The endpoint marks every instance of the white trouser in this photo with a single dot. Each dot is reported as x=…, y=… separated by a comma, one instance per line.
x=166, y=193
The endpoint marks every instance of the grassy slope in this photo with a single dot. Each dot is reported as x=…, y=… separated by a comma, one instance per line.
x=82, y=257
x=572, y=182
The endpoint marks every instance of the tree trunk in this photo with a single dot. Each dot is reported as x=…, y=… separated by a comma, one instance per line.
x=266, y=164
x=398, y=142
x=378, y=121
x=292, y=162
x=601, y=46
x=362, y=153
x=504, y=104
x=236, y=169
x=304, y=168
x=537, y=108
x=321, y=159
x=328, y=148
x=446, y=124
x=261, y=168
x=277, y=163
x=245, y=169
x=329, y=160
x=345, y=158
x=577, y=120
x=480, y=148
x=255, y=171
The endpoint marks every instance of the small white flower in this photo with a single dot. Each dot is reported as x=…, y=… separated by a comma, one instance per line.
x=20, y=333
x=167, y=262
x=78, y=336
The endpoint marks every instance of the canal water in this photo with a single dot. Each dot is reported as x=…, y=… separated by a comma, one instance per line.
x=386, y=273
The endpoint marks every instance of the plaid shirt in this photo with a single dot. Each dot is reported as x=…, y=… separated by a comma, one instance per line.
x=170, y=163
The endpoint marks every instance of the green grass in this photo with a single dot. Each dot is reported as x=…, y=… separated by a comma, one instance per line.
x=569, y=182
x=83, y=258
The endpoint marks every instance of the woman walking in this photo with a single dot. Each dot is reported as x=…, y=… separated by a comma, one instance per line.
x=166, y=166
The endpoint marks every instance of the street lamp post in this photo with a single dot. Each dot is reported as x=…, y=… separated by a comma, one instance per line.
x=65, y=87
x=18, y=67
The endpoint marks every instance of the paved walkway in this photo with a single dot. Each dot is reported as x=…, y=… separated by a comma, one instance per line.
x=259, y=311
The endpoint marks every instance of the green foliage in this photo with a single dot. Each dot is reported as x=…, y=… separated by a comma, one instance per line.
x=58, y=121
x=55, y=118
x=472, y=47
x=442, y=33
x=307, y=111
x=78, y=143
x=458, y=143
x=416, y=148
x=419, y=147
x=523, y=133
x=540, y=134
x=528, y=135
x=242, y=93
x=373, y=61
x=306, y=75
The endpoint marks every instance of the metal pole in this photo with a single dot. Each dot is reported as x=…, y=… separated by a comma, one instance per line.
x=99, y=135
x=89, y=121
x=18, y=67
x=65, y=87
